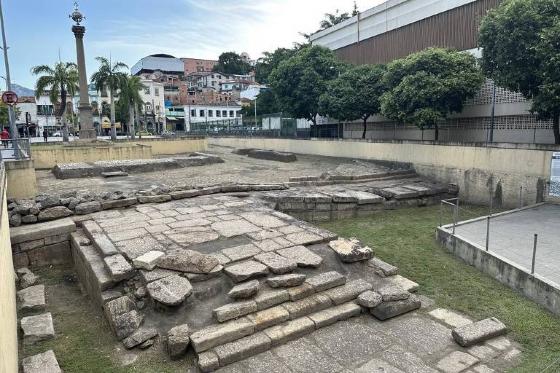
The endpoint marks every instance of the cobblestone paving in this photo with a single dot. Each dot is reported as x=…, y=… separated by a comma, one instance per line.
x=236, y=169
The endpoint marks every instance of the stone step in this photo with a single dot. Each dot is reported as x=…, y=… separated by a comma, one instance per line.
x=264, y=339
x=312, y=285
x=90, y=267
x=277, y=309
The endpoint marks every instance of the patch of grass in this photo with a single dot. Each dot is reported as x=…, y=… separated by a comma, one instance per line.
x=84, y=341
x=406, y=238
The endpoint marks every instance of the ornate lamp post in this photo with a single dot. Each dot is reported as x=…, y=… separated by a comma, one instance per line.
x=86, y=118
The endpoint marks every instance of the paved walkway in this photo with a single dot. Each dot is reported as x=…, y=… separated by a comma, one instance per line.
x=511, y=236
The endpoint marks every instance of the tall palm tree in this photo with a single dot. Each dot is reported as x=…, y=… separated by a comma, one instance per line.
x=61, y=82
x=109, y=77
x=130, y=93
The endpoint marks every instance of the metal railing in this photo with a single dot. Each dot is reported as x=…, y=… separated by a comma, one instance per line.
x=17, y=149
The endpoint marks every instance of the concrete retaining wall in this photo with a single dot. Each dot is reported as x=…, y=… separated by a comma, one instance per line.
x=8, y=313
x=503, y=169
x=22, y=181
x=175, y=146
x=506, y=272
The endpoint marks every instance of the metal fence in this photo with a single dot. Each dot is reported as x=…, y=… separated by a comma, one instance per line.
x=17, y=149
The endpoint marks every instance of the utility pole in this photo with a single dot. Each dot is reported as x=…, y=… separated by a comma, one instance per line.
x=11, y=112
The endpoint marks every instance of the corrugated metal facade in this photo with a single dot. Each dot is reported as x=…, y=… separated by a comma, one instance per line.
x=457, y=28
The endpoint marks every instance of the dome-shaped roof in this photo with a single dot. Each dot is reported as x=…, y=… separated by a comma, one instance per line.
x=162, y=55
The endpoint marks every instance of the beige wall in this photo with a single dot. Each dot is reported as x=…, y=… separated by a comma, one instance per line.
x=22, y=181
x=472, y=168
x=175, y=146
x=47, y=156
x=8, y=314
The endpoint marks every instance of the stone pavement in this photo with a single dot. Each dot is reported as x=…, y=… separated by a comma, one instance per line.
x=511, y=236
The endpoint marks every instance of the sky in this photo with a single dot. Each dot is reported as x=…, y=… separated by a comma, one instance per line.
x=39, y=31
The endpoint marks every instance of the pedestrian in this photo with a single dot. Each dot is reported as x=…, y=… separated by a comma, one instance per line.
x=5, y=136
x=45, y=134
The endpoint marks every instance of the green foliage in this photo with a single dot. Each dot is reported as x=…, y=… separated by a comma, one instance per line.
x=270, y=61
x=266, y=104
x=521, y=52
x=355, y=94
x=109, y=76
x=335, y=18
x=232, y=63
x=59, y=81
x=425, y=87
x=299, y=81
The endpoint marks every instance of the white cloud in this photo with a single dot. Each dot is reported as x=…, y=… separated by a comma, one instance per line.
x=210, y=27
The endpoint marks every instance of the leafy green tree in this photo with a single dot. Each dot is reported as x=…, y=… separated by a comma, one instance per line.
x=521, y=53
x=130, y=96
x=299, y=81
x=355, y=94
x=425, y=87
x=266, y=104
x=109, y=77
x=232, y=63
x=61, y=82
x=270, y=61
x=332, y=19
x=4, y=115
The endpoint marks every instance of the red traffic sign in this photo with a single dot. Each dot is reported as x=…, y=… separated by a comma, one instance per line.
x=9, y=98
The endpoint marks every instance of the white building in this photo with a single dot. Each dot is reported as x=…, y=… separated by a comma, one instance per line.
x=153, y=110
x=197, y=114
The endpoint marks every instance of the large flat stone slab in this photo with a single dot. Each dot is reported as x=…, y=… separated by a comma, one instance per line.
x=302, y=256
x=118, y=268
x=387, y=310
x=215, y=335
x=188, y=261
x=276, y=263
x=170, y=291
x=32, y=298
x=477, y=332
x=245, y=290
x=37, y=328
x=38, y=231
x=234, y=228
x=41, y=363
x=351, y=250
x=246, y=270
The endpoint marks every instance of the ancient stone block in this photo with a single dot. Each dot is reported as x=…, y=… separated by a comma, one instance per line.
x=215, y=335
x=456, y=362
x=37, y=328
x=53, y=213
x=127, y=323
x=234, y=310
x=387, y=310
x=188, y=261
x=234, y=228
x=370, y=299
x=242, y=348
x=290, y=330
x=300, y=292
x=148, y=261
x=326, y=280
x=270, y=298
x=41, y=230
x=276, y=263
x=41, y=363
x=171, y=290
x=269, y=317
x=302, y=256
x=403, y=283
x=139, y=336
x=286, y=281
x=241, y=252
x=246, y=270
x=333, y=314
x=391, y=292
x=118, y=267
x=154, y=199
x=304, y=238
x=208, y=361
x=350, y=251
x=178, y=341
x=87, y=208
x=32, y=298
x=382, y=268
x=313, y=303
x=244, y=290
x=119, y=203
x=480, y=331
x=349, y=291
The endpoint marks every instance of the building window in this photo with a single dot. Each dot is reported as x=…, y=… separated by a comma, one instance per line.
x=218, y=113
x=237, y=114
x=231, y=114
x=210, y=113
x=156, y=90
x=193, y=113
x=147, y=90
x=224, y=113
x=201, y=113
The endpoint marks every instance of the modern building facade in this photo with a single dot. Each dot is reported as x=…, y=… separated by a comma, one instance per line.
x=397, y=28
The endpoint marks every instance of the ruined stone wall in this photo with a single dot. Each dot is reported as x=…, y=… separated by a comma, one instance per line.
x=8, y=314
x=506, y=171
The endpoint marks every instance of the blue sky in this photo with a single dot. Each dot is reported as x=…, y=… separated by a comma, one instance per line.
x=130, y=29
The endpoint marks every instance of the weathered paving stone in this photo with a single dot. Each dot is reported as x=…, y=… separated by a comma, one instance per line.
x=208, y=361
x=122, y=316
x=456, y=362
x=32, y=298
x=350, y=251
x=290, y=330
x=26, y=277
x=136, y=247
x=222, y=259
x=245, y=290
x=299, y=292
x=242, y=348
x=53, y=213
x=103, y=244
x=404, y=283
x=87, y=208
x=483, y=352
x=276, y=263
x=480, y=331
x=382, y=268
x=156, y=274
x=37, y=328
x=199, y=277
x=348, y=292
x=269, y=317
x=41, y=363
x=241, y=252
x=214, y=335
x=148, y=261
x=326, y=280
x=500, y=343
x=154, y=199
x=269, y=298
x=234, y=310
x=246, y=270
x=370, y=299
x=338, y=313
x=234, y=228
x=387, y=310
x=119, y=203
x=118, y=267
x=188, y=261
x=303, y=307
x=286, y=281
x=450, y=318
x=39, y=231
x=181, y=194
x=302, y=256
x=170, y=291
x=139, y=336
x=364, y=198
x=391, y=292
x=178, y=341
x=378, y=365
x=304, y=238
